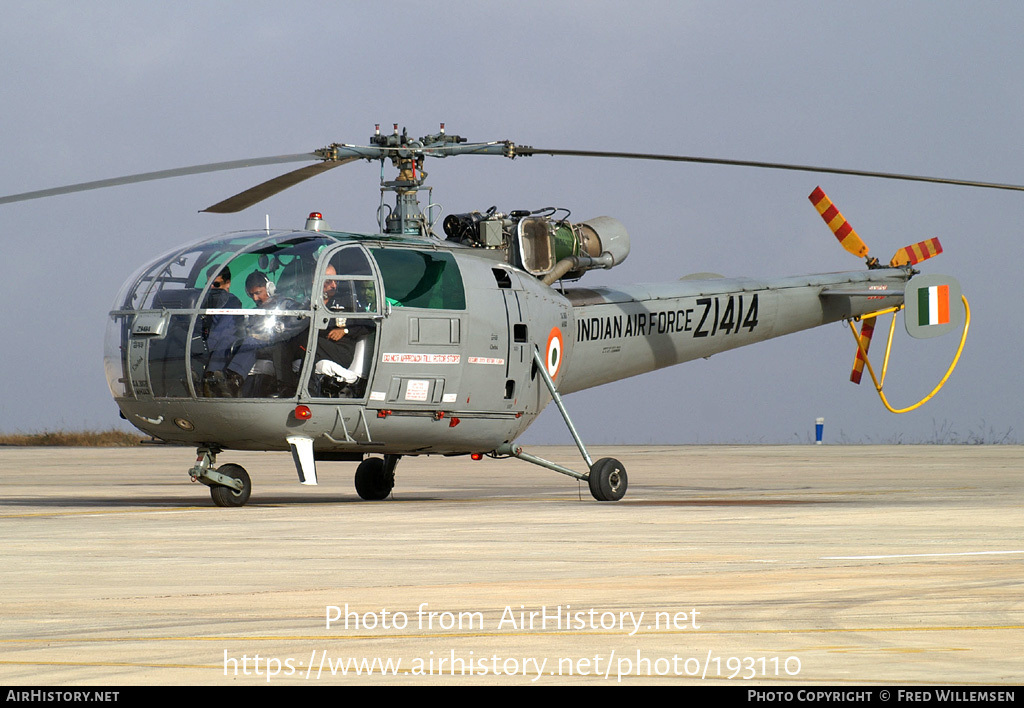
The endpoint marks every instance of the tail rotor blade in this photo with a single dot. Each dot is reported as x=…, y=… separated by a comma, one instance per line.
x=867, y=328
x=911, y=255
x=848, y=238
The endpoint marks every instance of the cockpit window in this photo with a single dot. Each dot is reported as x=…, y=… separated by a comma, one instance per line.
x=350, y=296
x=349, y=284
x=189, y=324
x=261, y=354
x=351, y=261
x=289, y=265
x=421, y=279
x=176, y=280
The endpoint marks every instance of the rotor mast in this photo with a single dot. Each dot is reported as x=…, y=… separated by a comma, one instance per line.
x=407, y=156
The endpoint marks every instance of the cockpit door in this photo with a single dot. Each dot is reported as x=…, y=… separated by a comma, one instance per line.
x=347, y=314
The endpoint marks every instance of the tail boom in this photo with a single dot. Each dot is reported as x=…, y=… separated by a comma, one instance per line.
x=619, y=333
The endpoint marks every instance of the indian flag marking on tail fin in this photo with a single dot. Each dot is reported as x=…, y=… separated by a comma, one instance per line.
x=933, y=305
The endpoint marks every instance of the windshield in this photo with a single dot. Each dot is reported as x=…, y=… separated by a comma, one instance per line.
x=216, y=317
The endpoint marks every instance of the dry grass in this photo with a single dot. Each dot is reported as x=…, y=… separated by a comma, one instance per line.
x=66, y=438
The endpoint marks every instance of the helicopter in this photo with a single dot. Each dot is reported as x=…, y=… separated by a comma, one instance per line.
x=365, y=348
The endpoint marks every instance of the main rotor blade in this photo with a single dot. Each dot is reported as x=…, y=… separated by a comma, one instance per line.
x=160, y=174
x=523, y=150
x=257, y=194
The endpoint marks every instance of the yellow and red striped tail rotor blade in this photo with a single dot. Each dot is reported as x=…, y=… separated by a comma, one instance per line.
x=867, y=328
x=910, y=255
x=848, y=238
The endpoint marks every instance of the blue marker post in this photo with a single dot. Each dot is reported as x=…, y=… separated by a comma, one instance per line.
x=819, y=428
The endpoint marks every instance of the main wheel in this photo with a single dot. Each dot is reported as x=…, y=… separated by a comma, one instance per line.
x=607, y=480
x=373, y=483
x=226, y=496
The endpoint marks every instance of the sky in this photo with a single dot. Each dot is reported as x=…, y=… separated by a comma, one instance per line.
x=98, y=90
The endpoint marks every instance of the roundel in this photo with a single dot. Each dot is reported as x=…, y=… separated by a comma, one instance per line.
x=553, y=360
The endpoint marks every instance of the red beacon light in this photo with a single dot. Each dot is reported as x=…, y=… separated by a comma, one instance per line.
x=315, y=222
x=303, y=412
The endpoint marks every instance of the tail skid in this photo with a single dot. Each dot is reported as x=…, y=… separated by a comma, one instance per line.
x=862, y=356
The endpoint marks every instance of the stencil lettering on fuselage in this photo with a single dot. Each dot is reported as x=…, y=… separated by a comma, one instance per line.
x=709, y=317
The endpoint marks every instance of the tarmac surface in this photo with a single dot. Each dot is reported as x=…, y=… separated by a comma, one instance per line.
x=767, y=566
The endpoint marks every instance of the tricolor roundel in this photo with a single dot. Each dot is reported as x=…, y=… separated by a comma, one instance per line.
x=553, y=359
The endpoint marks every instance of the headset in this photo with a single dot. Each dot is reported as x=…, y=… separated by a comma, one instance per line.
x=257, y=278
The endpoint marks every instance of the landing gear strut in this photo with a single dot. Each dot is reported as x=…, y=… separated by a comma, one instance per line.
x=606, y=477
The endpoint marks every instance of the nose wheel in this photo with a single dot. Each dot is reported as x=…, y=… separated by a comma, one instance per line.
x=229, y=484
x=237, y=495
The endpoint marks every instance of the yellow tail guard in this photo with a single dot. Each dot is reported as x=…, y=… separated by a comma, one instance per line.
x=848, y=238
x=910, y=255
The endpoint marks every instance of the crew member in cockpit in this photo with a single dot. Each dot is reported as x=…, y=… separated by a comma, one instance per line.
x=336, y=344
x=277, y=338
x=221, y=333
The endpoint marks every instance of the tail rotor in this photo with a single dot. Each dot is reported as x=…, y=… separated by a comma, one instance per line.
x=848, y=239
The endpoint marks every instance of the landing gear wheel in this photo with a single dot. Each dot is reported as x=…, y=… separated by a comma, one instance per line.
x=373, y=482
x=607, y=480
x=226, y=496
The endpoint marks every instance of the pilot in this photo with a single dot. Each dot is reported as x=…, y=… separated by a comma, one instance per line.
x=336, y=344
x=279, y=339
x=259, y=287
x=221, y=333
x=223, y=280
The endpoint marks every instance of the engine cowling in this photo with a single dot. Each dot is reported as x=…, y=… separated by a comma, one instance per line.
x=547, y=248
